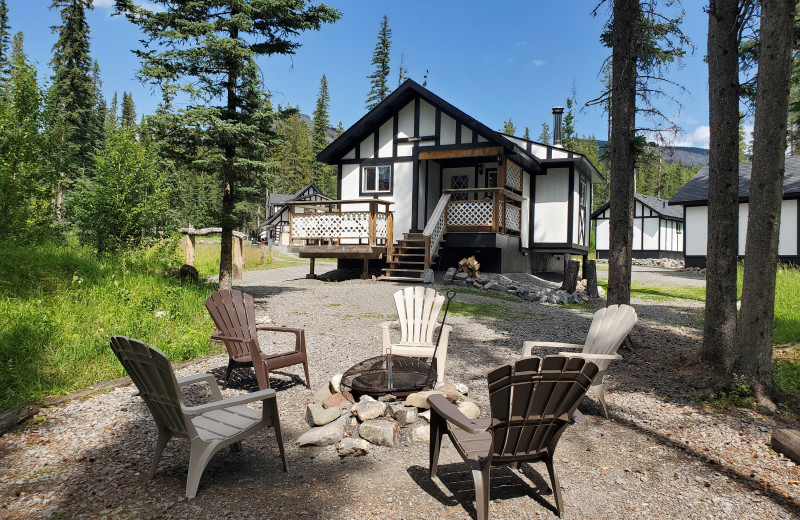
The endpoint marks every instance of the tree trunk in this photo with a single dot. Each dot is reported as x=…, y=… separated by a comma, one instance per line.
x=719, y=333
x=571, y=276
x=626, y=28
x=754, y=335
x=228, y=175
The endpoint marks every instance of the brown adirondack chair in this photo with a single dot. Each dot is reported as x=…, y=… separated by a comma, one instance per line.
x=532, y=403
x=234, y=315
x=211, y=426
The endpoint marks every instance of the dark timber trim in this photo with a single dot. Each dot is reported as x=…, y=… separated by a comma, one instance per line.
x=571, y=204
x=438, y=126
x=415, y=185
x=427, y=188
x=458, y=131
x=339, y=183
x=416, y=117
x=395, y=130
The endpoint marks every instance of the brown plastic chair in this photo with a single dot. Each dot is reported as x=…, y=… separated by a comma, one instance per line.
x=211, y=426
x=234, y=315
x=532, y=403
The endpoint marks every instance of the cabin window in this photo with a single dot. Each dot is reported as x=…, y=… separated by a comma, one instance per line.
x=377, y=179
x=459, y=182
x=678, y=227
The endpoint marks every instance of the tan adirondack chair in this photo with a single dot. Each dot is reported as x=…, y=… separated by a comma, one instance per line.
x=610, y=326
x=209, y=427
x=234, y=315
x=417, y=311
x=532, y=403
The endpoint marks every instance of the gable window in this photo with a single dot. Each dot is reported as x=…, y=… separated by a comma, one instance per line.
x=376, y=179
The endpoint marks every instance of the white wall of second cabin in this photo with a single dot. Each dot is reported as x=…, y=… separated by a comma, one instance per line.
x=787, y=238
x=637, y=235
x=551, y=206
x=650, y=234
x=601, y=234
x=524, y=232
x=671, y=240
x=696, y=230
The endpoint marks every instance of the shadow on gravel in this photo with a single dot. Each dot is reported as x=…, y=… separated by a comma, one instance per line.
x=505, y=483
x=262, y=292
x=245, y=379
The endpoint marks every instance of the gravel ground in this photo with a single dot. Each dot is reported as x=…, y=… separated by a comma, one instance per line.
x=658, y=456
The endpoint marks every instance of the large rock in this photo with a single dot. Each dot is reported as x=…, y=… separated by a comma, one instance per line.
x=503, y=280
x=368, y=408
x=318, y=415
x=381, y=432
x=490, y=285
x=404, y=415
x=461, y=388
x=339, y=399
x=601, y=292
x=426, y=415
x=449, y=391
x=470, y=410
x=352, y=447
x=322, y=394
x=420, y=399
x=461, y=276
x=421, y=433
x=428, y=276
x=482, y=279
x=322, y=436
x=336, y=382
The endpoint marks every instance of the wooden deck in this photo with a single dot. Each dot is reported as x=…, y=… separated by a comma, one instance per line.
x=347, y=251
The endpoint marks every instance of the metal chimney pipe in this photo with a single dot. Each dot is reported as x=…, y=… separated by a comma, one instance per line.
x=557, y=111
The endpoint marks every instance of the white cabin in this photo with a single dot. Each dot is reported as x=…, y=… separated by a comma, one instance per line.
x=693, y=198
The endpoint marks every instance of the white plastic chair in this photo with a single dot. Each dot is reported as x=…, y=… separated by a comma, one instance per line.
x=610, y=326
x=210, y=427
x=417, y=311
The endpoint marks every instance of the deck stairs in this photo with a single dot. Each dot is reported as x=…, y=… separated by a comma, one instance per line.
x=408, y=260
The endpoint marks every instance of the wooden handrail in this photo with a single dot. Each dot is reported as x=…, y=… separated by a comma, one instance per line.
x=502, y=191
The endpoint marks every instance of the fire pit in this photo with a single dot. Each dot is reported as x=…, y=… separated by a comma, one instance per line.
x=388, y=374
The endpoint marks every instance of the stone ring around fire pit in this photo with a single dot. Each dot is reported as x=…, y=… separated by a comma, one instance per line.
x=388, y=374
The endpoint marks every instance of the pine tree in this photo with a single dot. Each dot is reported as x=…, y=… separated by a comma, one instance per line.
x=568, y=136
x=128, y=117
x=508, y=127
x=295, y=154
x=742, y=140
x=98, y=122
x=402, y=72
x=544, y=137
x=72, y=93
x=216, y=47
x=111, y=113
x=5, y=43
x=527, y=134
x=324, y=175
x=379, y=88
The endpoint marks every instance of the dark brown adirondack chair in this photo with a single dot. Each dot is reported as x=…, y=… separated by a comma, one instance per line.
x=532, y=403
x=234, y=315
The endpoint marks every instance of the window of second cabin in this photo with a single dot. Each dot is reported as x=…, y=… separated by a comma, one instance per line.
x=377, y=179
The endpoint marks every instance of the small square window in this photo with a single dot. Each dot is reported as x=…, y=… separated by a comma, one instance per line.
x=377, y=179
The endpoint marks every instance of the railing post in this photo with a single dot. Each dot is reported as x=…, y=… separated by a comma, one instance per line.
x=389, y=235
x=495, y=211
x=427, y=252
x=372, y=207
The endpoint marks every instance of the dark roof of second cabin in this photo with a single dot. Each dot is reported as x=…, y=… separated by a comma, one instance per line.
x=696, y=190
x=660, y=206
x=298, y=195
x=279, y=198
x=406, y=92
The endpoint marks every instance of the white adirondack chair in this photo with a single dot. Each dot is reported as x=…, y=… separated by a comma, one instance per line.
x=610, y=326
x=417, y=311
x=211, y=426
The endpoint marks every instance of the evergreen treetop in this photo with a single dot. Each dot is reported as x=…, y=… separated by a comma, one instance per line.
x=544, y=136
x=379, y=87
x=508, y=127
x=5, y=43
x=128, y=116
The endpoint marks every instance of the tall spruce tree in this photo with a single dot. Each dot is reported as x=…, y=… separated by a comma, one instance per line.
x=5, y=43
x=98, y=122
x=568, y=136
x=128, y=116
x=323, y=174
x=379, y=87
x=72, y=94
x=214, y=45
x=544, y=136
x=509, y=128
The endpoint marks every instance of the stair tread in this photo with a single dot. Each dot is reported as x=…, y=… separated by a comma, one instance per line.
x=399, y=279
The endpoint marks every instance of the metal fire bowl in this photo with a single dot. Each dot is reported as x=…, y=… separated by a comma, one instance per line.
x=371, y=376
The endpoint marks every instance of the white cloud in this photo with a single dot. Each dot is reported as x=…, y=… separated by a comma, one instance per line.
x=103, y=3
x=141, y=3
x=699, y=137
x=521, y=43
x=537, y=63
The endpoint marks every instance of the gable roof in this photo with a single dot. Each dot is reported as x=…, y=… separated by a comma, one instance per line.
x=298, y=195
x=696, y=190
x=391, y=104
x=660, y=206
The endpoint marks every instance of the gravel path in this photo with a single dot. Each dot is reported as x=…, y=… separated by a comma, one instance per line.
x=658, y=456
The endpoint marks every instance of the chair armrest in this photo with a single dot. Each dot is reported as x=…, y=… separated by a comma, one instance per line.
x=216, y=395
x=260, y=395
x=222, y=337
x=528, y=346
x=450, y=412
x=300, y=335
x=590, y=356
x=279, y=329
x=387, y=324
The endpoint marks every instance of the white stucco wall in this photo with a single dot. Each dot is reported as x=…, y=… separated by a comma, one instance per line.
x=696, y=230
x=650, y=234
x=787, y=241
x=601, y=234
x=427, y=118
x=448, y=130
x=551, y=207
x=524, y=233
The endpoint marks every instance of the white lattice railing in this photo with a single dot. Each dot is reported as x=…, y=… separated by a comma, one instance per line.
x=330, y=221
x=436, y=228
x=513, y=217
x=513, y=175
x=469, y=213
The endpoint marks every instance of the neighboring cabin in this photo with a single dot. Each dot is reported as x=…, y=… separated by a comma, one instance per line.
x=452, y=182
x=276, y=226
x=693, y=198
x=657, y=229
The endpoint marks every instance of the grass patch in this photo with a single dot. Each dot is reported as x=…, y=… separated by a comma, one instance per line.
x=655, y=293
x=786, y=364
x=738, y=394
x=206, y=259
x=60, y=304
x=488, y=294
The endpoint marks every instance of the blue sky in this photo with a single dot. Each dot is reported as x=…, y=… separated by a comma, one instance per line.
x=493, y=60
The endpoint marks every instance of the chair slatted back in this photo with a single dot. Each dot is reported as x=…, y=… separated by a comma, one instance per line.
x=610, y=326
x=417, y=310
x=532, y=402
x=152, y=374
x=234, y=314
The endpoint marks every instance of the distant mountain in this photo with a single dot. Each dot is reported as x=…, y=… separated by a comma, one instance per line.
x=330, y=132
x=686, y=155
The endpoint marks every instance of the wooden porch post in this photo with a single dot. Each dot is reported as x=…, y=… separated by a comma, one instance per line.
x=365, y=271
x=311, y=267
x=373, y=206
x=238, y=260
x=389, y=234
x=190, y=249
x=495, y=211
x=427, y=252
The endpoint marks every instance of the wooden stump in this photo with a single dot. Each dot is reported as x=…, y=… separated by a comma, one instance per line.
x=271, y=253
x=590, y=272
x=571, y=276
x=189, y=249
x=787, y=442
x=238, y=259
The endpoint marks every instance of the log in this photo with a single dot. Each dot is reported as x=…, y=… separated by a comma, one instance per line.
x=571, y=276
x=209, y=231
x=590, y=272
x=238, y=259
x=189, y=249
x=787, y=442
